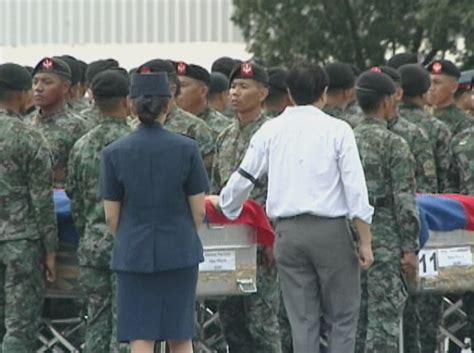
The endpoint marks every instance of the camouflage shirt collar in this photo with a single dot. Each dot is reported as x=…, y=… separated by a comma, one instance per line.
x=205, y=113
x=370, y=120
x=9, y=113
x=107, y=119
x=409, y=106
x=60, y=112
x=250, y=124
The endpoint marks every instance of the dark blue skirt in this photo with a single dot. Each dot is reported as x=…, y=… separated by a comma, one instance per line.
x=156, y=306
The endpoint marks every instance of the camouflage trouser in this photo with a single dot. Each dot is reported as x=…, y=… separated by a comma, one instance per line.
x=21, y=295
x=99, y=288
x=382, y=302
x=429, y=306
x=411, y=325
x=250, y=323
x=285, y=328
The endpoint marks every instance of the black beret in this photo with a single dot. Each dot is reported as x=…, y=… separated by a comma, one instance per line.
x=402, y=59
x=444, y=67
x=54, y=66
x=109, y=84
x=219, y=83
x=341, y=76
x=392, y=73
x=83, y=70
x=277, y=79
x=14, y=77
x=75, y=66
x=150, y=84
x=376, y=82
x=415, y=80
x=193, y=71
x=250, y=71
x=224, y=65
x=157, y=65
x=466, y=80
x=98, y=66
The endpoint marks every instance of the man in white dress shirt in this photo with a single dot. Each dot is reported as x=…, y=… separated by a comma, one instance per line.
x=315, y=184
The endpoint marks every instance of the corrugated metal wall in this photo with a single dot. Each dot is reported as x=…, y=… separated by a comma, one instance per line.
x=24, y=22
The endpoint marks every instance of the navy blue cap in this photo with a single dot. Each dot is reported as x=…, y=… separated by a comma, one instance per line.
x=150, y=84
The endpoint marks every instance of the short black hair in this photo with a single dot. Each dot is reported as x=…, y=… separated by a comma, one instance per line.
x=369, y=101
x=108, y=104
x=149, y=108
x=307, y=82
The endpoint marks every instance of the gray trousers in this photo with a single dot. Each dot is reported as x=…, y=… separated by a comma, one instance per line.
x=319, y=274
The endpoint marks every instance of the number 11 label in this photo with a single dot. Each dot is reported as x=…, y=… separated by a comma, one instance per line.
x=428, y=263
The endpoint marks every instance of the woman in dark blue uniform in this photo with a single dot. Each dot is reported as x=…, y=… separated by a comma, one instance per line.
x=153, y=183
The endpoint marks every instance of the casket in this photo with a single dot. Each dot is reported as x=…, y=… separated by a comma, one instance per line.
x=230, y=265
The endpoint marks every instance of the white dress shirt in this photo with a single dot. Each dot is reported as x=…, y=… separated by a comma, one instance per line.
x=313, y=167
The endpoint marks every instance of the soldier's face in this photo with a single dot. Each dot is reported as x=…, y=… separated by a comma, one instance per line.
x=193, y=92
x=246, y=94
x=442, y=90
x=49, y=89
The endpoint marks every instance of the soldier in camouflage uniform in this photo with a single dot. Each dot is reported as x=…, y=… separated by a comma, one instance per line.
x=427, y=312
x=417, y=139
x=110, y=90
x=178, y=120
x=389, y=170
x=340, y=91
x=28, y=234
x=250, y=323
x=194, y=82
x=444, y=76
x=278, y=98
x=219, y=94
x=61, y=129
x=91, y=113
x=464, y=95
x=415, y=84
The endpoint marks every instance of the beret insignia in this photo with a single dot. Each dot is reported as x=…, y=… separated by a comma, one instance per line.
x=181, y=68
x=246, y=70
x=47, y=64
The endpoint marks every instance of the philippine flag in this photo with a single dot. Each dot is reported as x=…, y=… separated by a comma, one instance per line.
x=444, y=213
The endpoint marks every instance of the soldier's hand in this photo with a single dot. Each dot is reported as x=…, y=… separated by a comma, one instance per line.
x=50, y=266
x=214, y=200
x=409, y=263
x=269, y=256
x=366, y=257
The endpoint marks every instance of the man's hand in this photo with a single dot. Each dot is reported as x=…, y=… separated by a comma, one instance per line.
x=366, y=257
x=268, y=256
x=50, y=266
x=214, y=200
x=409, y=263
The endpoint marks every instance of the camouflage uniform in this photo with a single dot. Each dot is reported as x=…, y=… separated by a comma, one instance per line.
x=389, y=169
x=28, y=230
x=96, y=242
x=92, y=115
x=426, y=182
x=354, y=114
x=80, y=105
x=420, y=147
x=182, y=122
x=61, y=131
x=338, y=113
x=215, y=120
x=250, y=323
x=439, y=136
x=456, y=119
x=463, y=156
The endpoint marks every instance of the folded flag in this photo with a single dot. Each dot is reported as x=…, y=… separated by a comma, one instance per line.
x=252, y=214
x=444, y=213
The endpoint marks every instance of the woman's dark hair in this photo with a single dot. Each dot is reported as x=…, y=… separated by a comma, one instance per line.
x=306, y=83
x=149, y=108
x=369, y=101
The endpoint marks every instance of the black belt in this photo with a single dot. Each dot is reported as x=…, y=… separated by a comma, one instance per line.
x=304, y=215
